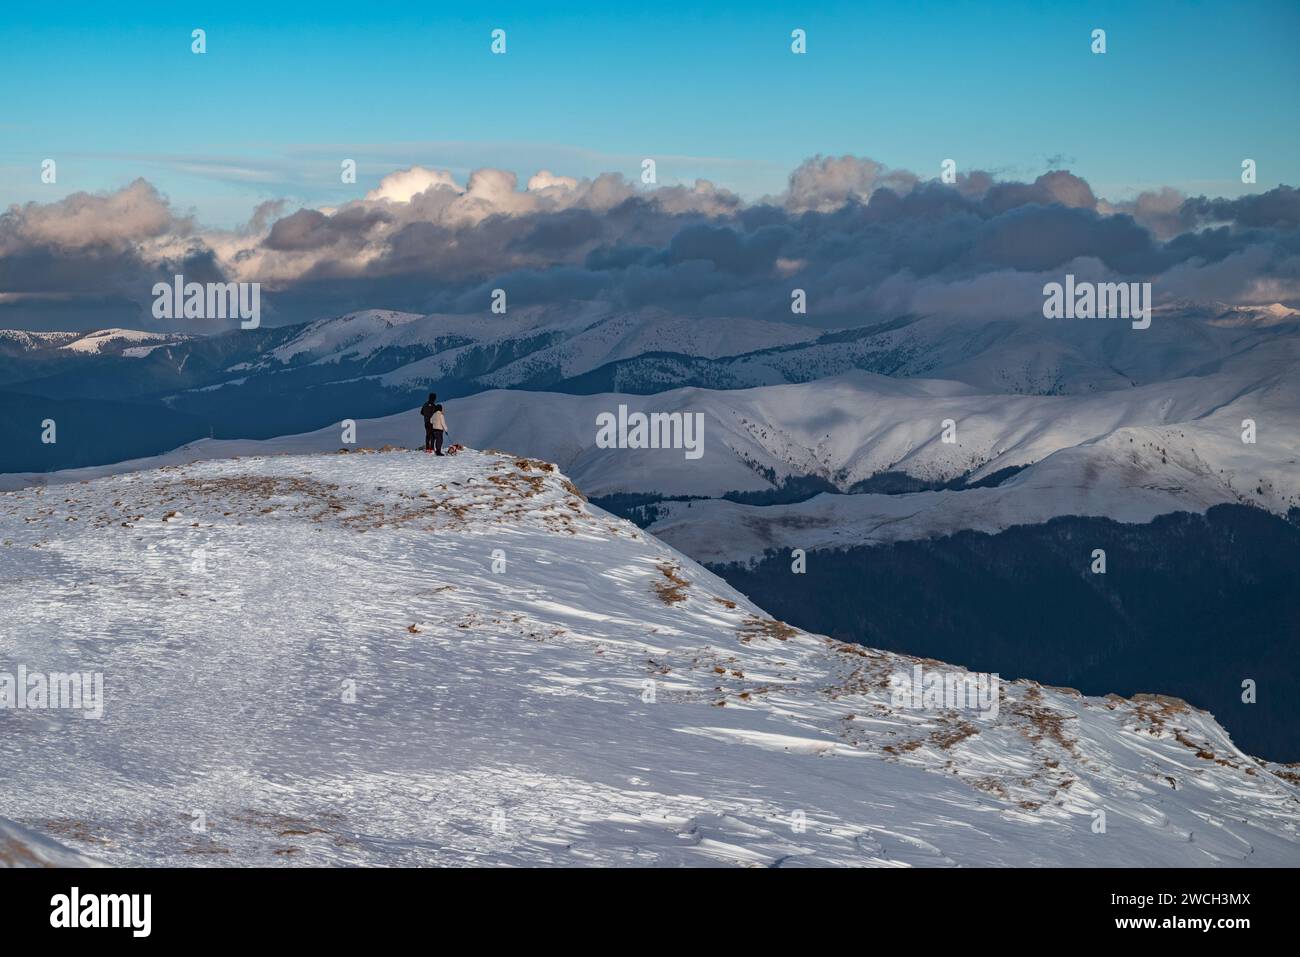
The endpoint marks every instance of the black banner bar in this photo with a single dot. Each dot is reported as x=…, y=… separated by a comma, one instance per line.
x=337, y=906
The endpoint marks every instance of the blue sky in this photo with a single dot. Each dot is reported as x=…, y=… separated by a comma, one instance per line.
x=285, y=91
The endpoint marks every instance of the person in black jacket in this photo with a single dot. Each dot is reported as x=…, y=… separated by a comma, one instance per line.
x=427, y=411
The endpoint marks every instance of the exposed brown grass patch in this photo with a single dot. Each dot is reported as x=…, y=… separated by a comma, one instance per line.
x=755, y=627
x=1041, y=722
x=525, y=485
x=1201, y=752
x=903, y=748
x=14, y=854
x=285, y=825
x=672, y=589
x=990, y=786
x=572, y=489
x=258, y=486
x=72, y=829
x=1158, y=710
x=1162, y=704
x=527, y=465
x=1289, y=776
x=947, y=737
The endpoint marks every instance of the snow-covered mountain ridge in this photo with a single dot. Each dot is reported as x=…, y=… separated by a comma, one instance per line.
x=387, y=658
x=1128, y=454
x=131, y=343
x=277, y=381
x=644, y=351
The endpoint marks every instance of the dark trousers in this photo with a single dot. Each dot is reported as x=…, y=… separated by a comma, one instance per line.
x=428, y=436
x=437, y=441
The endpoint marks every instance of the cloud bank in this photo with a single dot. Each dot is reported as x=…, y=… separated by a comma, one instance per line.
x=865, y=241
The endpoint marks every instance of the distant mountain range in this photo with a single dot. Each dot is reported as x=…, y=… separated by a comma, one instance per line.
x=1135, y=424
x=150, y=392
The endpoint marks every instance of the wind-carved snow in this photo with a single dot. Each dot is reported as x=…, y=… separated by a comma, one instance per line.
x=595, y=699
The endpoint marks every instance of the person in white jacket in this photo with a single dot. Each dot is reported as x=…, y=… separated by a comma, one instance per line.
x=439, y=423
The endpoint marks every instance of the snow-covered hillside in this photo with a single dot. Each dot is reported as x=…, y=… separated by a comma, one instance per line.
x=19, y=341
x=128, y=342
x=393, y=658
x=1025, y=354
x=1133, y=474
x=356, y=333
x=131, y=343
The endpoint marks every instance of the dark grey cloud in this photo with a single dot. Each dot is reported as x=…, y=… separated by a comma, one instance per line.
x=1275, y=209
x=564, y=230
x=309, y=229
x=728, y=249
